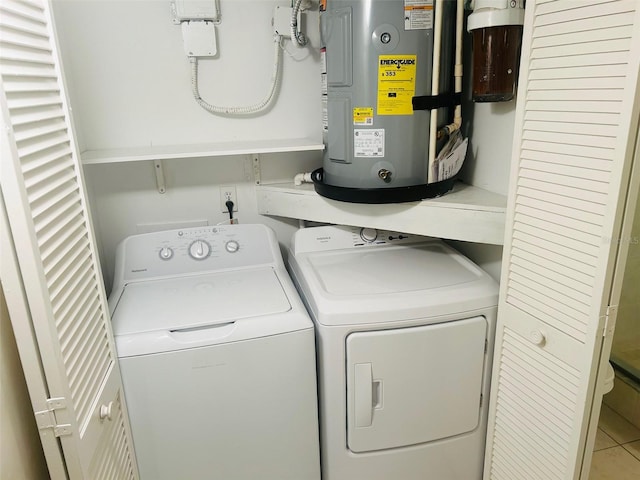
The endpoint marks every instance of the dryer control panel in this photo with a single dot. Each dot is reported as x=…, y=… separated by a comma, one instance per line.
x=334, y=237
x=195, y=250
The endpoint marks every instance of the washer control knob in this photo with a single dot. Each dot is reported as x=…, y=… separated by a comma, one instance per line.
x=199, y=250
x=232, y=246
x=368, y=234
x=166, y=253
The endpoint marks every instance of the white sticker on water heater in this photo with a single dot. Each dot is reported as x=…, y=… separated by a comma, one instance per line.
x=368, y=142
x=418, y=14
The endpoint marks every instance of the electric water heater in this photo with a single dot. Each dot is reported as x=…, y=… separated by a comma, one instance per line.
x=377, y=69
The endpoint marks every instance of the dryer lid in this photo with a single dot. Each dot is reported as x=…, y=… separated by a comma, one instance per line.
x=198, y=300
x=391, y=270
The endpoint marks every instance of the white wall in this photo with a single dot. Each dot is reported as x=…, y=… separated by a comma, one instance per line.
x=129, y=86
x=130, y=79
x=21, y=454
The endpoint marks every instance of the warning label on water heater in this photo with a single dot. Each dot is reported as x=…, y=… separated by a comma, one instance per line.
x=418, y=14
x=396, y=84
x=368, y=142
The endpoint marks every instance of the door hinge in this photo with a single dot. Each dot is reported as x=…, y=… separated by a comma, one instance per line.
x=47, y=418
x=610, y=317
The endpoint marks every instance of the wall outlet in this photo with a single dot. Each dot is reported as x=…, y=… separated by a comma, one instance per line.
x=228, y=192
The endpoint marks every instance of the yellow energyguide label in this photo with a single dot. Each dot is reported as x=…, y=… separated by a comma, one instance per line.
x=396, y=84
x=363, y=116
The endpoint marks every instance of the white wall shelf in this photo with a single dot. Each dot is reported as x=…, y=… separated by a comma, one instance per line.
x=136, y=154
x=467, y=213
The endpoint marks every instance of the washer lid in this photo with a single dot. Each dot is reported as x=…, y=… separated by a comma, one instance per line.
x=198, y=300
x=390, y=270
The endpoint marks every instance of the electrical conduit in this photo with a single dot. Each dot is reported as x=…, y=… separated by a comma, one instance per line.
x=248, y=110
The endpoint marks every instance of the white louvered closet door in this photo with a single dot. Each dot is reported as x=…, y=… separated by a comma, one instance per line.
x=43, y=192
x=576, y=121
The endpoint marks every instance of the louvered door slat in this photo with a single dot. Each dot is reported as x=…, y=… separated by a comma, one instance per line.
x=70, y=212
x=41, y=206
x=572, y=141
x=521, y=296
x=513, y=422
x=102, y=467
x=68, y=307
x=514, y=415
x=567, y=171
x=50, y=113
x=76, y=239
x=503, y=469
x=567, y=84
x=15, y=52
x=575, y=106
x=13, y=22
x=584, y=25
x=623, y=31
x=577, y=95
x=18, y=39
x=557, y=205
x=535, y=214
x=56, y=291
x=36, y=177
x=552, y=258
x=545, y=225
x=31, y=11
x=551, y=198
x=539, y=238
x=551, y=374
x=522, y=257
x=57, y=250
x=602, y=144
x=41, y=144
x=551, y=6
x=585, y=11
x=69, y=209
x=16, y=70
x=553, y=288
x=602, y=133
x=59, y=275
x=563, y=278
x=595, y=164
x=95, y=364
x=562, y=422
x=591, y=118
x=568, y=149
x=569, y=186
x=582, y=49
x=60, y=182
x=74, y=300
x=511, y=446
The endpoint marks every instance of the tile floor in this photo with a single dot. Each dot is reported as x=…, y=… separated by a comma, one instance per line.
x=616, y=454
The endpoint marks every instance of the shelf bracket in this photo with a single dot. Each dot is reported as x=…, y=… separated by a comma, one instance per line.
x=256, y=169
x=159, y=172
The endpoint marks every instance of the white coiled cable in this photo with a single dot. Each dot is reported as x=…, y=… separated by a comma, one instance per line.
x=248, y=110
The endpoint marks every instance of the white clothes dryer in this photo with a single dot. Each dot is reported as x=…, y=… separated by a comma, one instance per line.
x=217, y=356
x=404, y=337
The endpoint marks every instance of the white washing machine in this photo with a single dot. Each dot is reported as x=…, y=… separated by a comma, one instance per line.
x=404, y=332
x=217, y=356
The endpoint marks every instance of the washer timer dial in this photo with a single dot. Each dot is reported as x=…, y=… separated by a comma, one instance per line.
x=199, y=250
x=368, y=234
x=232, y=246
x=166, y=253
